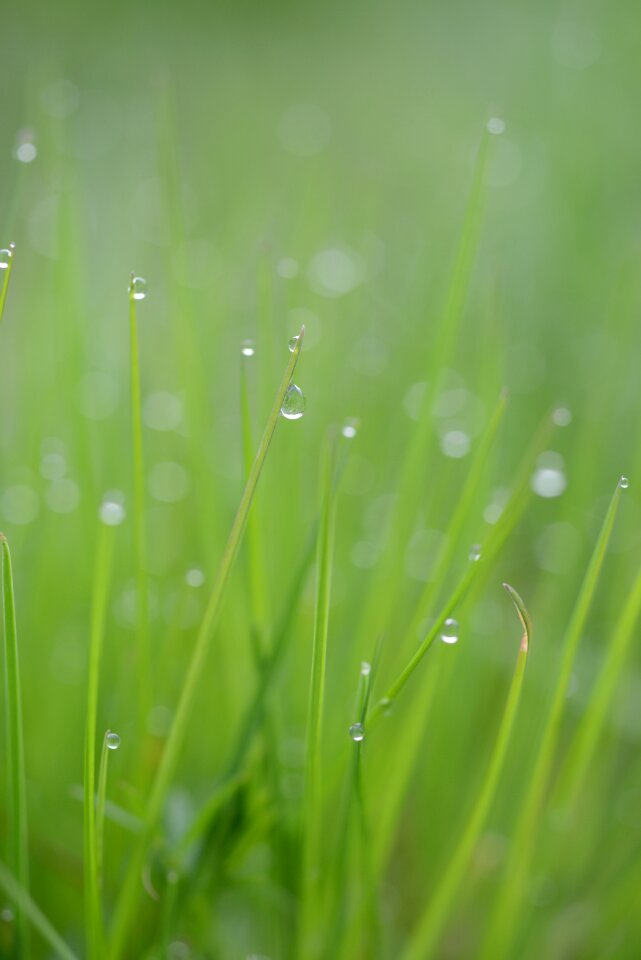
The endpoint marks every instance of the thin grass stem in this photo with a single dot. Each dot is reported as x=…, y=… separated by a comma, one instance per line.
x=18, y=829
x=425, y=938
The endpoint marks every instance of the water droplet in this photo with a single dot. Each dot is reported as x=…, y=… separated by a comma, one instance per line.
x=194, y=577
x=291, y=346
x=624, y=483
x=496, y=126
x=387, y=706
x=562, y=416
x=449, y=633
x=112, y=511
x=350, y=428
x=293, y=406
x=247, y=348
x=475, y=552
x=138, y=288
x=112, y=740
x=5, y=258
x=357, y=732
x=366, y=668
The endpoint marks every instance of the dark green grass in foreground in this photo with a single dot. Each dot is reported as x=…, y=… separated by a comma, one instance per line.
x=259, y=611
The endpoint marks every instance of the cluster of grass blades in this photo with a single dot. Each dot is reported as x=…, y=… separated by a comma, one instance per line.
x=341, y=860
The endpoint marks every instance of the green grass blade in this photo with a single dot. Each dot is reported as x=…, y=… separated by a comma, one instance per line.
x=309, y=933
x=130, y=891
x=18, y=835
x=505, y=916
x=253, y=546
x=27, y=908
x=581, y=752
x=457, y=522
x=110, y=742
x=93, y=914
x=430, y=927
x=140, y=540
x=388, y=575
x=5, y=276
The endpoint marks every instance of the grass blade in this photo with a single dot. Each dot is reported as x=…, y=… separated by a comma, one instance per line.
x=27, y=908
x=425, y=939
x=140, y=542
x=110, y=742
x=18, y=835
x=130, y=892
x=583, y=747
x=459, y=517
x=94, y=931
x=6, y=263
x=309, y=932
x=388, y=577
x=255, y=565
x=505, y=916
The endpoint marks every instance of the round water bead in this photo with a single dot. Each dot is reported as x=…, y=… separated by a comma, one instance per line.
x=475, y=552
x=293, y=406
x=357, y=732
x=247, y=348
x=291, y=345
x=112, y=740
x=624, y=483
x=138, y=288
x=5, y=258
x=449, y=633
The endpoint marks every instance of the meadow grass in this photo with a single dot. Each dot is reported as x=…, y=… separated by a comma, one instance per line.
x=327, y=747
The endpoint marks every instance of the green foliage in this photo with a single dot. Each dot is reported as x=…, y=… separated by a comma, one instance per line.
x=470, y=294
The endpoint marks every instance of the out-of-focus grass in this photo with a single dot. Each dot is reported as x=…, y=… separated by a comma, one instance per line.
x=262, y=168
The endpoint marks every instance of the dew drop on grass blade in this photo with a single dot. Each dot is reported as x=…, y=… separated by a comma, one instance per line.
x=6, y=265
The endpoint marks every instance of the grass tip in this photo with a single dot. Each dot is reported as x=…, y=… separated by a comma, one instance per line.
x=523, y=615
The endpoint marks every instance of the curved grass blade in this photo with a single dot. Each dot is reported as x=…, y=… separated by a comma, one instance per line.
x=310, y=931
x=430, y=927
x=18, y=833
x=131, y=889
x=140, y=542
x=5, y=275
x=94, y=930
x=27, y=908
x=505, y=916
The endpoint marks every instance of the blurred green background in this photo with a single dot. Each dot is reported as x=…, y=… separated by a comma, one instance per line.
x=263, y=165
